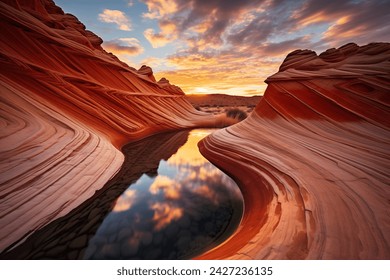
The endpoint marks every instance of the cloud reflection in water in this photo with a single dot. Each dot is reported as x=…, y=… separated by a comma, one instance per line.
x=189, y=207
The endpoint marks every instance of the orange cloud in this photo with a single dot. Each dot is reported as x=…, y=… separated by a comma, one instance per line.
x=156, y=62
x=117, y=17
x=124, y=46
x=208, y=193
x=169, y=187
x=168, y=27
x=164, y=214
x=338, y=27
x=312, y=19
x=233, y=46
x=157, y=39
x=125, y=201
x=159, y=8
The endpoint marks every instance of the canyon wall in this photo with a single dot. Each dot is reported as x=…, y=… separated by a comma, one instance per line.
x=66, y=107
x=313, y=160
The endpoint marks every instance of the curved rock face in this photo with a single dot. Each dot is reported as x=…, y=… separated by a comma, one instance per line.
x=66, y=106
x=68, y=236
x=147, y=71
x=313, y=160
x=164, y=83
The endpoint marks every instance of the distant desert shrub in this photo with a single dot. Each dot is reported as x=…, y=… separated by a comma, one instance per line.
x=229, y=117
x=236, y=113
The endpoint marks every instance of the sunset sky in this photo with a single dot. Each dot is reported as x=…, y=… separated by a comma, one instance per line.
x=231, y=47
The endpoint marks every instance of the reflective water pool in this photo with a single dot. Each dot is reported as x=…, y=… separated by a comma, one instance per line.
x=178, y=211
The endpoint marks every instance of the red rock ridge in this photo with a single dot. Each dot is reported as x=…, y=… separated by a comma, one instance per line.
x=66, y=106
x=313, y=160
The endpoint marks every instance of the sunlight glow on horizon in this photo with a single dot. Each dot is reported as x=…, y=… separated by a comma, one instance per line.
x=234, y=50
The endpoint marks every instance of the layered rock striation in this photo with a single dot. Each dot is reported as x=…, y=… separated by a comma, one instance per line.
x=313, y=160
x=68, y=236
x=66, y=107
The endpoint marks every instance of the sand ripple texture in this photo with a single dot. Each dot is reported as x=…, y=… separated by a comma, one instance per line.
x=313, y=160
x=66, y=108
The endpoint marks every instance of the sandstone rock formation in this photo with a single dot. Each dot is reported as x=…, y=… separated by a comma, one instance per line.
x=67, y=237
x=66, y=108
x=147, y=71
x=164, y=83
x=313, y=160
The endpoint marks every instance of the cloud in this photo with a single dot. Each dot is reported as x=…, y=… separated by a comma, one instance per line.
x=226, y=43
x=249, y=39
x=170, y=188
x=347, y=21
x=366, y=22
x=117, y=17
x=124, y=46
x=156, y=39
x=212, y=24
x=165, y=213
x=159, y=8
x=157, y=62
x=255, y=32
x=125, y=201
x=284, y=47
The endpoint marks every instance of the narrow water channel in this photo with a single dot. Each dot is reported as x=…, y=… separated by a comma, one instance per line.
x=166, y=202
x=184, y=208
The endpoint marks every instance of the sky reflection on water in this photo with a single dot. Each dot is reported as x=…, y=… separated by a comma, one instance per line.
x=188, y=207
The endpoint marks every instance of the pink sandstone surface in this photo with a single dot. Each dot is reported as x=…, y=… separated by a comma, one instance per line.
x=313, y=160
x=67, y=106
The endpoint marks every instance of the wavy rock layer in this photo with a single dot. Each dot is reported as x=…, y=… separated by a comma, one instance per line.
x=313, y=160
x=66, y=106
x=68, y=236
